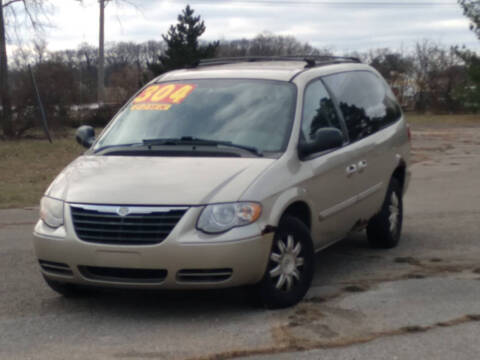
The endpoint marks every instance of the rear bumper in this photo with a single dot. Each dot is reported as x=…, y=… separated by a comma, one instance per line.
x=241, y=259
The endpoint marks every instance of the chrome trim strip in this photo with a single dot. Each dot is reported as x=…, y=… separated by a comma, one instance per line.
x=64, y=268
x=121, y=282
x=57, y=274
x=369, y=192
x=349, y=202
x=132, y=209
x=338, y=207
x=48, y=237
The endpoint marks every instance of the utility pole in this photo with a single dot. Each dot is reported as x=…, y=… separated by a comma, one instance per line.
x=101, y=55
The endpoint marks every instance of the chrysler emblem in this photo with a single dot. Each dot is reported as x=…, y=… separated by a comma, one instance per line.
x=123, y=211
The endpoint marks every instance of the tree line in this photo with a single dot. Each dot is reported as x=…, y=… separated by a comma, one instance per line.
x=426, y=77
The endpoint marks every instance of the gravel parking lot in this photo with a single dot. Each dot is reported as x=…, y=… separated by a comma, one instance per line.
x=419, y=300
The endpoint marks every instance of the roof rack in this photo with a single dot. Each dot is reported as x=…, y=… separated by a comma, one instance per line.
x=311, y=60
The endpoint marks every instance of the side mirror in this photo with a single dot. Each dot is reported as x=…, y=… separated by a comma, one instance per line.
x=325, y=139
x=85, y=135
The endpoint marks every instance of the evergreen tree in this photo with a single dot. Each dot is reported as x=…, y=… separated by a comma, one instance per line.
x=470, y=94
x=183, y=47
x=471, y=9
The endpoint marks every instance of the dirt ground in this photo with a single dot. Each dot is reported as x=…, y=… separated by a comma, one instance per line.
x=417, y=301
x=439, y=142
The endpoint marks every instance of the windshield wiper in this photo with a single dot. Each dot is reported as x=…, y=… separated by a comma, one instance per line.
x=188, y=140
x=115, y=146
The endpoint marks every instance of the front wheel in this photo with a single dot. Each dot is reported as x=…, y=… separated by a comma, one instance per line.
x=384, y=229
x=291, y=264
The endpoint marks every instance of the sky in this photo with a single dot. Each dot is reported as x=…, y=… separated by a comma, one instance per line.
x=342, y=26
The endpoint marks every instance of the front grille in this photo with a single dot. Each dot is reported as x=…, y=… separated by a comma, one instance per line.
x=55, y=267
x=152, y=276
x=204, y=275
x=142, y=225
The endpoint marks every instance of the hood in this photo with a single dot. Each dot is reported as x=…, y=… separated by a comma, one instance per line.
x=155, y=180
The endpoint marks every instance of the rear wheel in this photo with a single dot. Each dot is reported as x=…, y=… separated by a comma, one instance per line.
x=66, y=289
x=290, y=268
x=384, y=229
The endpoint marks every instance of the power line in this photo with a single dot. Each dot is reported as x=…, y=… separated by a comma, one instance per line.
x=370, y=4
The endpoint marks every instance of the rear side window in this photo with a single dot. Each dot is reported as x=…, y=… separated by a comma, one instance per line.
x=318, y=111
x=366, y=102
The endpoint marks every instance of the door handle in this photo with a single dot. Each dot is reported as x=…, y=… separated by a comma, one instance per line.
x=362, y=165
x=351, y=169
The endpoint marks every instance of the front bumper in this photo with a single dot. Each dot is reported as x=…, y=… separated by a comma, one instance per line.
x=240, y=256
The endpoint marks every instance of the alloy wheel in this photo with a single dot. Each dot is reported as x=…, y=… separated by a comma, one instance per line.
x=287, y=263
x=394, y=212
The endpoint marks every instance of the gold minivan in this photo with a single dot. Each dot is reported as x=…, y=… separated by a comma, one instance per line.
x=233, y=172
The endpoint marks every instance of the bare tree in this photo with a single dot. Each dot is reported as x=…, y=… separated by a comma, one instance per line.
x=396, y=67
x=437, y=72
x=101, y=54
x=40, y=50
x=101, y=47
x=4, y=93
x=21, y=58
x=151, y=50
x=268, y=44
x=32, y=11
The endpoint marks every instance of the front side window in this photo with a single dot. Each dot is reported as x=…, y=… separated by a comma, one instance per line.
x=318, y=111
x=365, y=101
x=253, y=113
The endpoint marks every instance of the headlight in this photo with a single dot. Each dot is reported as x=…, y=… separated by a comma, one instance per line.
x=51, y=211
x=219, y=218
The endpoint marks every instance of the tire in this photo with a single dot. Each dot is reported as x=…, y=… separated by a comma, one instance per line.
x=291, y=259
x=66, y=289
x=385, y=228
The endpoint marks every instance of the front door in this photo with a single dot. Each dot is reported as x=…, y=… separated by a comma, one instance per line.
x=332, y=186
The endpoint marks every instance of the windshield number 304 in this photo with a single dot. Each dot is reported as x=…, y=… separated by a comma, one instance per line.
x=162, y=96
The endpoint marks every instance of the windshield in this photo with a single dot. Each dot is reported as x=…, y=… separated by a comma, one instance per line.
x=252, y=113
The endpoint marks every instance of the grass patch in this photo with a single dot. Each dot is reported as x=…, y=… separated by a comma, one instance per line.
x=443, y=120
x=27, y=167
